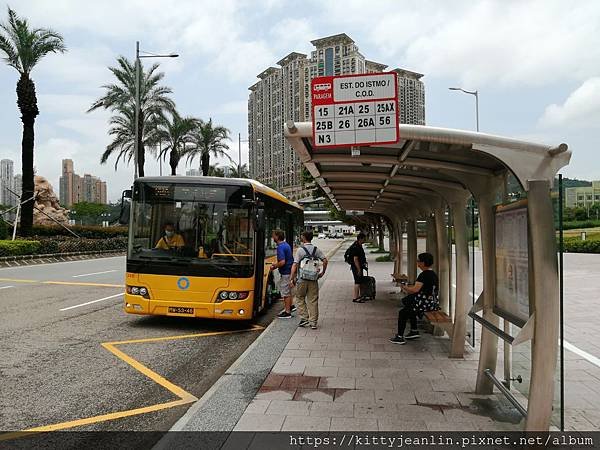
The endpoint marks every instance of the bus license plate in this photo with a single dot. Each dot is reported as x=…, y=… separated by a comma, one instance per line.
x=181, y=310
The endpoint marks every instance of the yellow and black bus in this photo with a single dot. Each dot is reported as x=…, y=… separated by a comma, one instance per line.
x=219, y=267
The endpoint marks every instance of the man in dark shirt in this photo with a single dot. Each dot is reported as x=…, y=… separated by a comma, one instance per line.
x=427, y=284
x=285, y=259
x=358, y=262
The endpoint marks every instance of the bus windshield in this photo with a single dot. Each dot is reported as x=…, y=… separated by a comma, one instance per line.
x=194, y=229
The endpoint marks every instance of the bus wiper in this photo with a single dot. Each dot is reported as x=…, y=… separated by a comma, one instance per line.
x=225, y=268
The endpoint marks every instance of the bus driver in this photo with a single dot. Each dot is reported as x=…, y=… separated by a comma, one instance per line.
x=171, y=240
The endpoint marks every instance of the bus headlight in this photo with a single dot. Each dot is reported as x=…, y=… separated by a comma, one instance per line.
x=138, y=290
x=232, y=295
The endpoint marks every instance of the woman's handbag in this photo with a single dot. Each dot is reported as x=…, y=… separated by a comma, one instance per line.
x=422, y=303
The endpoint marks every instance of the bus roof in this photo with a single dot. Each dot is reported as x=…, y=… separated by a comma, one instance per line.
x=256, y=185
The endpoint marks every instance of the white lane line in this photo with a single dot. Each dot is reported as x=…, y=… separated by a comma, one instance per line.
x=60, y=262
x=93, y=273
x=6, y=287
x=591, y=358
x=93, y=301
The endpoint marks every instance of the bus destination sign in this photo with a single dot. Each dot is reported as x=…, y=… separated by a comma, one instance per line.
x=351, y=110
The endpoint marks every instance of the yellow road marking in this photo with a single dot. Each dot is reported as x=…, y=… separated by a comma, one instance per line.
x=184, y=396
x=67, y=283
x=73, y=283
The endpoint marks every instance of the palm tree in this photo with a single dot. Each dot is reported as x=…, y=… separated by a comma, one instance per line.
x=236, y=171
x=176, y=134
x=23, y=48
x=215, y=171
x=120, y=99
x=208, y=141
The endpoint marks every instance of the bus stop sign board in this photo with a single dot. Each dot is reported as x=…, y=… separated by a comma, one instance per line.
x=353, y=110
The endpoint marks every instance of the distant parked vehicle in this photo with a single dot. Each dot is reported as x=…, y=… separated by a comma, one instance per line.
x=321, y=236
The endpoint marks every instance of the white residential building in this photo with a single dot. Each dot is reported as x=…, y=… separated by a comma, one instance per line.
x=7, y=183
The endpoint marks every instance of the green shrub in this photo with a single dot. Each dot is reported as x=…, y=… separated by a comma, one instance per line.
x=90, y=232
x=17, y=248
x=379, y=251
x=575, y=224
x=576, y=245
x=384, y=258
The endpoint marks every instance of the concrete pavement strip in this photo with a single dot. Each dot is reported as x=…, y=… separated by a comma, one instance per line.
x=220, y=408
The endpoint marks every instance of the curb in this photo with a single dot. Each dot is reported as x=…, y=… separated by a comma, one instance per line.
x=239, y=383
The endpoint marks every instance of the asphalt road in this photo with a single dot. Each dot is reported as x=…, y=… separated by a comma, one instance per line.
x=54, y=368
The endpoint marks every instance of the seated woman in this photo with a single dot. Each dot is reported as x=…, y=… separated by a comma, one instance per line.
x=423, y=296
x=171, y=240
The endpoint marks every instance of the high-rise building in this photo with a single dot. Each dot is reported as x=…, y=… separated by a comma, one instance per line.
x=7, y=183
x=283, y=93
x=75, y=189
x=193, y=173
x=18, y=185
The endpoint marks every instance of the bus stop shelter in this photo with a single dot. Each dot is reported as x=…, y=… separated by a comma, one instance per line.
x=431, y=174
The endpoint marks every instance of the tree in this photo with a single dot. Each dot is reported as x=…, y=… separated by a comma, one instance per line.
x=215, y=171
x=236, y=171
x=23, y=48
x=88, y=212
x=120, y=99
x=208, y=141
x=176, y=134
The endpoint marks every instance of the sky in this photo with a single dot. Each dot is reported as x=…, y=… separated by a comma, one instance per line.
x=536, y=65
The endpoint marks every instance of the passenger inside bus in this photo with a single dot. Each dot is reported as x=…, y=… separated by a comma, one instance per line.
x=170, y=240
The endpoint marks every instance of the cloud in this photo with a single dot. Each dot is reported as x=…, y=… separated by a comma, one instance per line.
x=580, y=110
x=536, y=42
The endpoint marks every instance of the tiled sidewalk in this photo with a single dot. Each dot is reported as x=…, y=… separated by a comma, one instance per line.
x=346, y=375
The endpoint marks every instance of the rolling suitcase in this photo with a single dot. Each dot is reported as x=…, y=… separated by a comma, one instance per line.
x=368, y=288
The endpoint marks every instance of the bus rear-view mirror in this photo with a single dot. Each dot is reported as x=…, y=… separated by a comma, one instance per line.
x=125, y=207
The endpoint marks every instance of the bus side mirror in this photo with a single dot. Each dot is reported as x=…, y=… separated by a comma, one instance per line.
x=260, y=219
x=125, y=207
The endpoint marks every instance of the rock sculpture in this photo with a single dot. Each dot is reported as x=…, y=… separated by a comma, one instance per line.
x=47, y=201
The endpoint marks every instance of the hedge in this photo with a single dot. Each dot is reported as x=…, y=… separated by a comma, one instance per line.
x=60, y=244
x=575, y=224
x=16, y=248
x=384, y=258
x=3, y=229
x=576, y=245
x=90, y=232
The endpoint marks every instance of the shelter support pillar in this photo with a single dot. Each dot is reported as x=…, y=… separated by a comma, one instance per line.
x=488, y=356
x=443, y=262
x=432, y=246
x=411, y=245
x=544, y=282
x=457, y=347
x=399, y=248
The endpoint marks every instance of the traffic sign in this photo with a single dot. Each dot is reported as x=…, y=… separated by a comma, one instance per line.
x=351, y=110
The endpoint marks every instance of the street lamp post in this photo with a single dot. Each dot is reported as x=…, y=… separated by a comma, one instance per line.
x=476, y=94
x=136, y=145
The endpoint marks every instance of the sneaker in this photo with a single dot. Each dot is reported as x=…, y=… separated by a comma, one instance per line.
x=398, y=340
x=284, y=315
x=293, y=309
x=303, y=323
x=313, y=326
x=413, y=335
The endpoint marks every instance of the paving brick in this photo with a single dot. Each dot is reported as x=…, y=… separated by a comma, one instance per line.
x=273, y=380
x=375, y=410
x=353, y=424
x=275, y=394
x=406, y=397
x=315, y=395
x=331, y=409
x=355, y=372
x=259, y=422
x=392, y=424
x=354, y=396
x=288, y=408
x=337, y=382
x=374, y=383
x=293, y=382
x=321, y=371
x=338, y=362
x=298, y=423
x=257, y=406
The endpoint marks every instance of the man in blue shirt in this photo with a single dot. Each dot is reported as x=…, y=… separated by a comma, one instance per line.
x=285, y=259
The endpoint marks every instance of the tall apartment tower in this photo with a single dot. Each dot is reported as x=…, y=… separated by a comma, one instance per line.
x=7, y=183
x=75, y=189
x=283, y=93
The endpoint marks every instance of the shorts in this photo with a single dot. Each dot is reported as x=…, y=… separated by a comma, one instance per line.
x=284, y=286
x=358, y=276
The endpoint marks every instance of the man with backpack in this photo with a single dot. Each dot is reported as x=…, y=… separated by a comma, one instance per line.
x=306, y=272
x=356, y=258
x=284, y=265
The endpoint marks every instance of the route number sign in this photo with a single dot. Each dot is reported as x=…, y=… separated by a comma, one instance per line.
x=352, y=110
